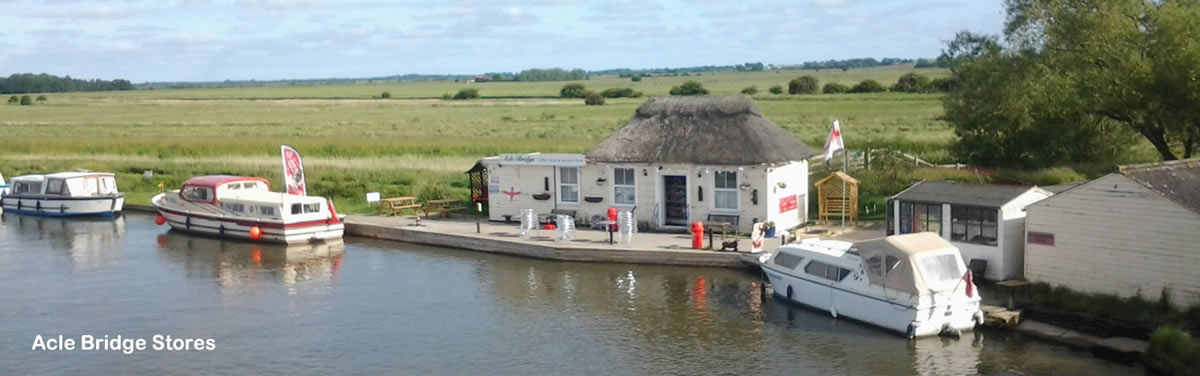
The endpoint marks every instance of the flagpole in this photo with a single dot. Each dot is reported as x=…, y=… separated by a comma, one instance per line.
x=845, y=210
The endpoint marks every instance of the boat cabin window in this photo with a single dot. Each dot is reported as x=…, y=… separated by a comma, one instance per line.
x=882, y=265
x=233, y=186
x=27, y=187
x=787, y=260
x=314, y=207
x=296, y=209
x=233, y=207
x=108, y=185
x=940, y=268
x=197, y=193
x=823, y=270
x=250, y=185
x=266, y=210
x=56, y=187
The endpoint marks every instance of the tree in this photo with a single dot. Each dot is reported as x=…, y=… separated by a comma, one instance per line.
x=942, y=84
x=803, y=85
x=834, y=88
x=41, y=98
x=635, y=78
x=750, y=90
x=594, y=99
x=620, y=93
x=468, y=93
x=689, y=88
x=14, y=99
x=776, y=89
x=868, y=86
x=912, y=83
x=573, y=91
x=1108, y=65
x=385, y=95
x=26, y=100
x=45, y=83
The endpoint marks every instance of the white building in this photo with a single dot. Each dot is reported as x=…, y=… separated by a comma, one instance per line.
x=678, y=160
x=1135, y=231
x=985, y=221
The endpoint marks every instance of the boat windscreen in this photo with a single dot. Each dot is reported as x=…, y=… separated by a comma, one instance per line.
x=940, y=268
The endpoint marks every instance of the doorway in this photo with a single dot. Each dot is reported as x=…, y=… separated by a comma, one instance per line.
x=675, y=201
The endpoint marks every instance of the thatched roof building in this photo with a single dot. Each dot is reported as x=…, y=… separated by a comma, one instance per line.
x=708, y=130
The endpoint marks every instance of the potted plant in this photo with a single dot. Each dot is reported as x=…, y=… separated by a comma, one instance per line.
x=769, y=229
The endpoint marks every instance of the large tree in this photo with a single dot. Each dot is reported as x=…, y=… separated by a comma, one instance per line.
x=1072, y=76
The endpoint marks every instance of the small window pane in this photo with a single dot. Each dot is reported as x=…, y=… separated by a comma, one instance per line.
x=312, y=207
x=787, y=260
x=296, y=209
x=940, y=268
x=725, y=199
x=624, y=195
x=569, y=175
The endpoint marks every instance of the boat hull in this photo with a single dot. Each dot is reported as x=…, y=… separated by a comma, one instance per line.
x=103, y=206
x=896, y=311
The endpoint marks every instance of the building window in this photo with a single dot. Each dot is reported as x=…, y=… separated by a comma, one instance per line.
x=920, y=218
x=826, y=271
x=624, y=189
x=725, y=194
x=568, y=184
x=973, y=225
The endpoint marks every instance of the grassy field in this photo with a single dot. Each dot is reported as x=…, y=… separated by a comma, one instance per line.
x=354, y=144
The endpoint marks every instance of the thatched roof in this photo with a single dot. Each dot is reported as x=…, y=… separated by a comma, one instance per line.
x=713, y=130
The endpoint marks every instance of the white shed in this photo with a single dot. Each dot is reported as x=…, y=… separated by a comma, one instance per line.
x=1135, y=231
x=985, y=221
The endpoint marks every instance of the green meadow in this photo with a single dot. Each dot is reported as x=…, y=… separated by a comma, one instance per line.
x=413, y=143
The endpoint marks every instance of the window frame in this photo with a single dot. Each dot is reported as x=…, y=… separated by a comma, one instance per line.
x=62, y=183
x=630, y=185
x=974, y=217
x=717, y=191
x=309, y=205
x=209, y=193
x=829, y=272
x=560, y=184
x=908, y=217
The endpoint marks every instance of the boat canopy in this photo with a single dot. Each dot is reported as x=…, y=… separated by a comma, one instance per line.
x=912, y=263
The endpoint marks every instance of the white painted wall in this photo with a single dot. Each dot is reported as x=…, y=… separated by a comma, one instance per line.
x=794, y=176
x=1114, y=236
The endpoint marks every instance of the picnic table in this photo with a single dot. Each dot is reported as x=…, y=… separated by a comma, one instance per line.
x=395, y=205
x=442, y=207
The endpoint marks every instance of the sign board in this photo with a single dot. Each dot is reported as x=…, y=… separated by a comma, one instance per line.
x=372, y=197
x=788, y=203
x=493, y=189
x=564, y=160
x=1043, y=238
x=148, y=174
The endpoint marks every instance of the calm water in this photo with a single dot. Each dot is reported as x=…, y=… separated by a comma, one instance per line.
x=367, y=307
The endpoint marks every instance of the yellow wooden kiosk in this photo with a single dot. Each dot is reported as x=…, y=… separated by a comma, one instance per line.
x=833, y=201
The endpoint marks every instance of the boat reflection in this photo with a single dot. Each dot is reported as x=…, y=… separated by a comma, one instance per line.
x=232, y=264
x=91, y=242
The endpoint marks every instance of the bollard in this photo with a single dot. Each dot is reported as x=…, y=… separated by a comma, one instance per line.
x=698, y=235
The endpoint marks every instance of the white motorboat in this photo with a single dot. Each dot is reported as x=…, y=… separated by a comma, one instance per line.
x=245, y=208
x=64, y=194
x=915, y=284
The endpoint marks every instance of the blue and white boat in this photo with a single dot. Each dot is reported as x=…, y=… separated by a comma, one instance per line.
x=64, y=194
x=3, y=187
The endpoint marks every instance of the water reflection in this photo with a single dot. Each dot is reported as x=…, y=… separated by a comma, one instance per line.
x=233, y=264
x=91, y=242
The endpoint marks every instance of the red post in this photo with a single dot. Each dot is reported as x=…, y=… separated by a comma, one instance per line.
x=612, y=216
x=697, y=235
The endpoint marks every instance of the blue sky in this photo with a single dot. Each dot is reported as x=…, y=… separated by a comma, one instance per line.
x=202, y=40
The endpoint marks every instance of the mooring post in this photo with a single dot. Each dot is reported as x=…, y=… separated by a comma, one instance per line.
x=479, y=210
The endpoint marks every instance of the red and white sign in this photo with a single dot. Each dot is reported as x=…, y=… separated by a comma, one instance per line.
x=293, y=171
x=788, y=203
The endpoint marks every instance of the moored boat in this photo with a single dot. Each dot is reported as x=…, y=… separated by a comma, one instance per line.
x=245, y=208
x=64, y=194
x=914, y=284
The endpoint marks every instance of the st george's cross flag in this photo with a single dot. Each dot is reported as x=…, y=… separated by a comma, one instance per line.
x=834, y=142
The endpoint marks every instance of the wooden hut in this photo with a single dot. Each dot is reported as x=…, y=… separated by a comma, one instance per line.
x=479, y=184
x=833, y=201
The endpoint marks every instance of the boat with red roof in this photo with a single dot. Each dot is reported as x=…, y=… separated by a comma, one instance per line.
x=246, y=208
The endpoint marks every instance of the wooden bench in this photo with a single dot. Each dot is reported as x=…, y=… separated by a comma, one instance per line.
x=548, y=218
x=442, y=207
x=395, y=205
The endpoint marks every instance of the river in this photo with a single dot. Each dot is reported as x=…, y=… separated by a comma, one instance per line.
x=371, y=307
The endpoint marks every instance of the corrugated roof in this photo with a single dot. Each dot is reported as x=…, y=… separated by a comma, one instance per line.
x=1178, y=181
x=713, y=130
x=989, y=195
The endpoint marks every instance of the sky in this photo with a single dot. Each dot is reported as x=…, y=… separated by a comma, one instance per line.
x=213, y=40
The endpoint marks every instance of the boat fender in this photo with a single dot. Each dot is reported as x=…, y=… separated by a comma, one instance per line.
x=911, y=331
x=949, y=331
x=833, y=311
x=255, y=232
x=160, y=220
x=978, y=318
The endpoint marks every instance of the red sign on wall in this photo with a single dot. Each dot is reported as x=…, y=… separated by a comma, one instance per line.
x=787, y=204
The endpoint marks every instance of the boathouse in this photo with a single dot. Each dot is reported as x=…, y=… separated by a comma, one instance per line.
x=678, y=160
x=985, y=221
x=1132, y=232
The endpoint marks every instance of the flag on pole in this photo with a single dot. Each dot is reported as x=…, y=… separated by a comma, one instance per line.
x=293, y=171
x=834, y=142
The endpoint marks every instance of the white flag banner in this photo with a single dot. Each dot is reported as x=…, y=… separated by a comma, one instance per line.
x=834, y=142
x=293, y=171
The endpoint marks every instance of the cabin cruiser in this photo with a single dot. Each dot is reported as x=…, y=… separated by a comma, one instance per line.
x=245, y=208
x=915, y=284
x=64, y=194
x=3, y=188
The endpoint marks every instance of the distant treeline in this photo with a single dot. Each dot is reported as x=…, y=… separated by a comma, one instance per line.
x=625, y=72
x=22, y=83
x=309, y=81
x=854, y=63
